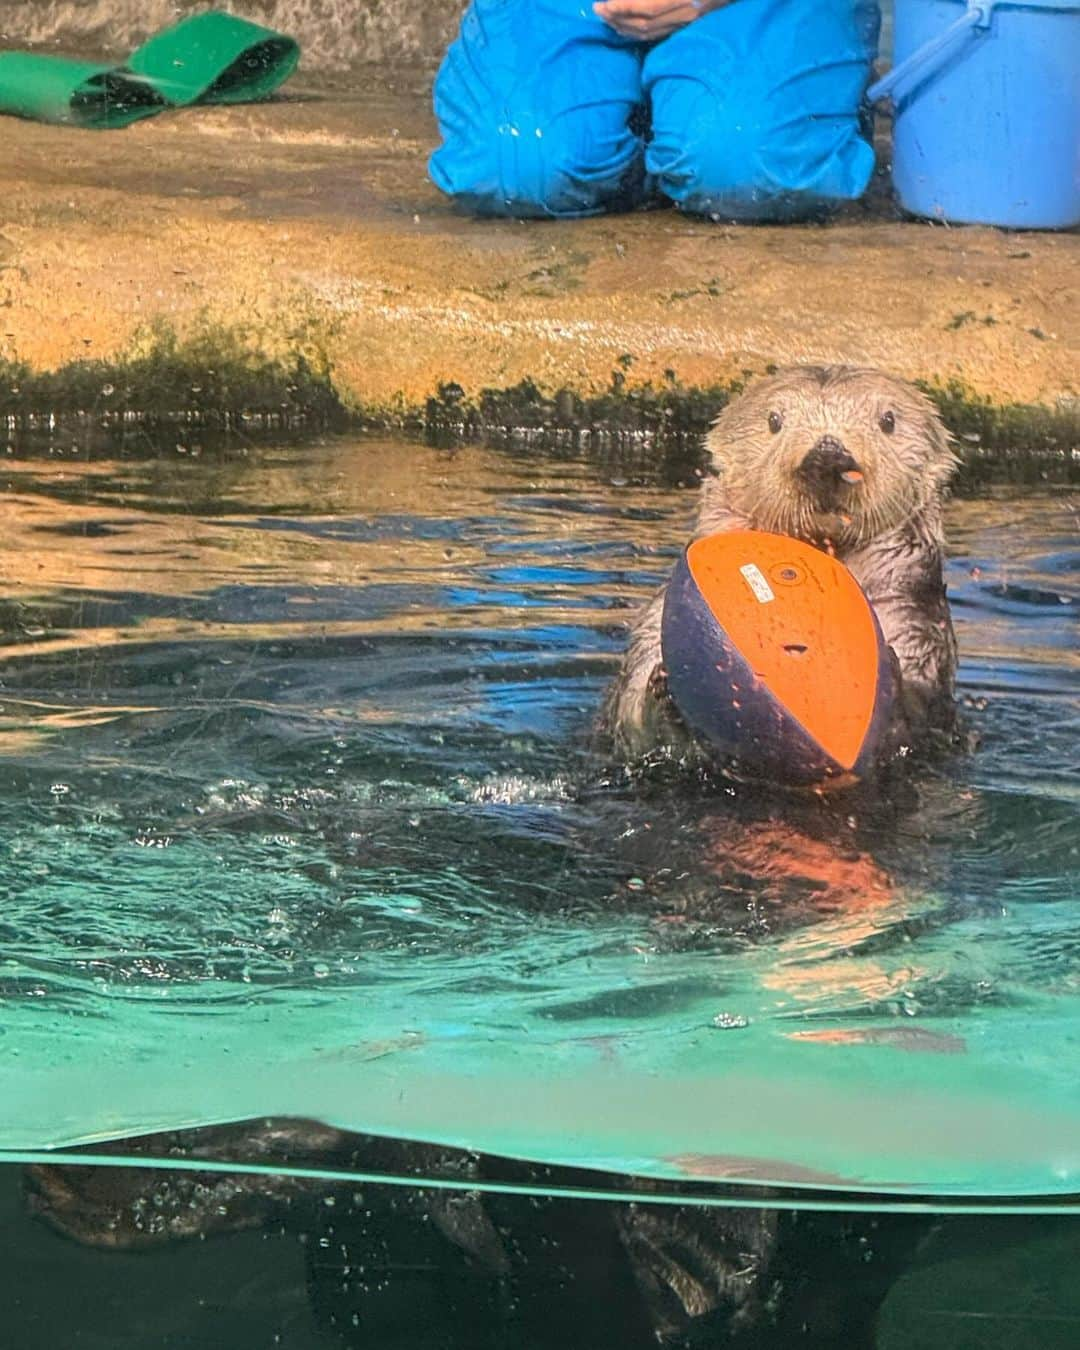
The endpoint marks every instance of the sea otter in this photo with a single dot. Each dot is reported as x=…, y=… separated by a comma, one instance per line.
x=849, y=460
x=457, y=1269
x=573, y=1271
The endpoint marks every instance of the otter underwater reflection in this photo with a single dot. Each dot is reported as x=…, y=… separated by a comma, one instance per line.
x=315, y=721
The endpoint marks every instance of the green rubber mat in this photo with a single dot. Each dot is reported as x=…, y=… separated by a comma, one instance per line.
x=208, y=58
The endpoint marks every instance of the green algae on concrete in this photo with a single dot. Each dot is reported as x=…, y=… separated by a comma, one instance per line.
x=665, y=412
x=990, y=437
x=211, y=377
x=217, y=379
x=1009, y=431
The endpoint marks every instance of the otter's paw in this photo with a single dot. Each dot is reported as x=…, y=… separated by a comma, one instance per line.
x=690, y=1261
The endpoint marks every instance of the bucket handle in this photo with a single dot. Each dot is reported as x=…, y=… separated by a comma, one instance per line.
x=977, y=15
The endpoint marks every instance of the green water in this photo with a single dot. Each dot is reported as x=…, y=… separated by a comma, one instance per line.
x=300, y=816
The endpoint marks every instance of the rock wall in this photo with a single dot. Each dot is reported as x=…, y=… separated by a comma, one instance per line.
x=335, y=34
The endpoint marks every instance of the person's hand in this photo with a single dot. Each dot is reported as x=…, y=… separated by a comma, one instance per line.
x=650, y=20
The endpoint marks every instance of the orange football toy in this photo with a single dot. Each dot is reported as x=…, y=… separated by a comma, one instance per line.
x=775, y=659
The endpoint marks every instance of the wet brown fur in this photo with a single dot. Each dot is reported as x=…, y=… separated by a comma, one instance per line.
x=887, y=529
x=685, y=1261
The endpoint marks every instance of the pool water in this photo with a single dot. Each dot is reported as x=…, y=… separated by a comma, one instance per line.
x=298, y=781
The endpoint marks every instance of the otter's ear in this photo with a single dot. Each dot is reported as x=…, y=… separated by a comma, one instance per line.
x=943, y=461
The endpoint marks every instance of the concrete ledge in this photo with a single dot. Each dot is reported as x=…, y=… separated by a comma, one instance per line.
x=307, y=227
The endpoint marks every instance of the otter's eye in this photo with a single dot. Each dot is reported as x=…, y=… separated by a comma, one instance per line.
x=887, y=422
x=776, y=421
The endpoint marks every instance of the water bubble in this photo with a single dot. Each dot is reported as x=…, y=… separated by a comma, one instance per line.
x=727, y=1021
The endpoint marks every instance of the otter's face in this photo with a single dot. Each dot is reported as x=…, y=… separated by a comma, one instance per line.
x=831, y=455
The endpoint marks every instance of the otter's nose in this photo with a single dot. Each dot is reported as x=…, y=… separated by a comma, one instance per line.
x=827, y=465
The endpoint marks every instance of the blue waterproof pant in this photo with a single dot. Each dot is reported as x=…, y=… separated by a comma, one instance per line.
x=750, y=112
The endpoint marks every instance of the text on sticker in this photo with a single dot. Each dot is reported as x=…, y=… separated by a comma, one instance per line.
x=757, y=583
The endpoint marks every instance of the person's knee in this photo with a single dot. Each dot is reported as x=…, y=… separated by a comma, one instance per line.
x=735, y=160
x=756, y=107
x=515, y=166
x=533, y=101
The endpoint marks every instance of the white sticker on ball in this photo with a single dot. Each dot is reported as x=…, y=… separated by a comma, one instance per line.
x=757, y=583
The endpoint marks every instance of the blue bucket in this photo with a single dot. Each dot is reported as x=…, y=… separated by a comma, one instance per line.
x=987, y=100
